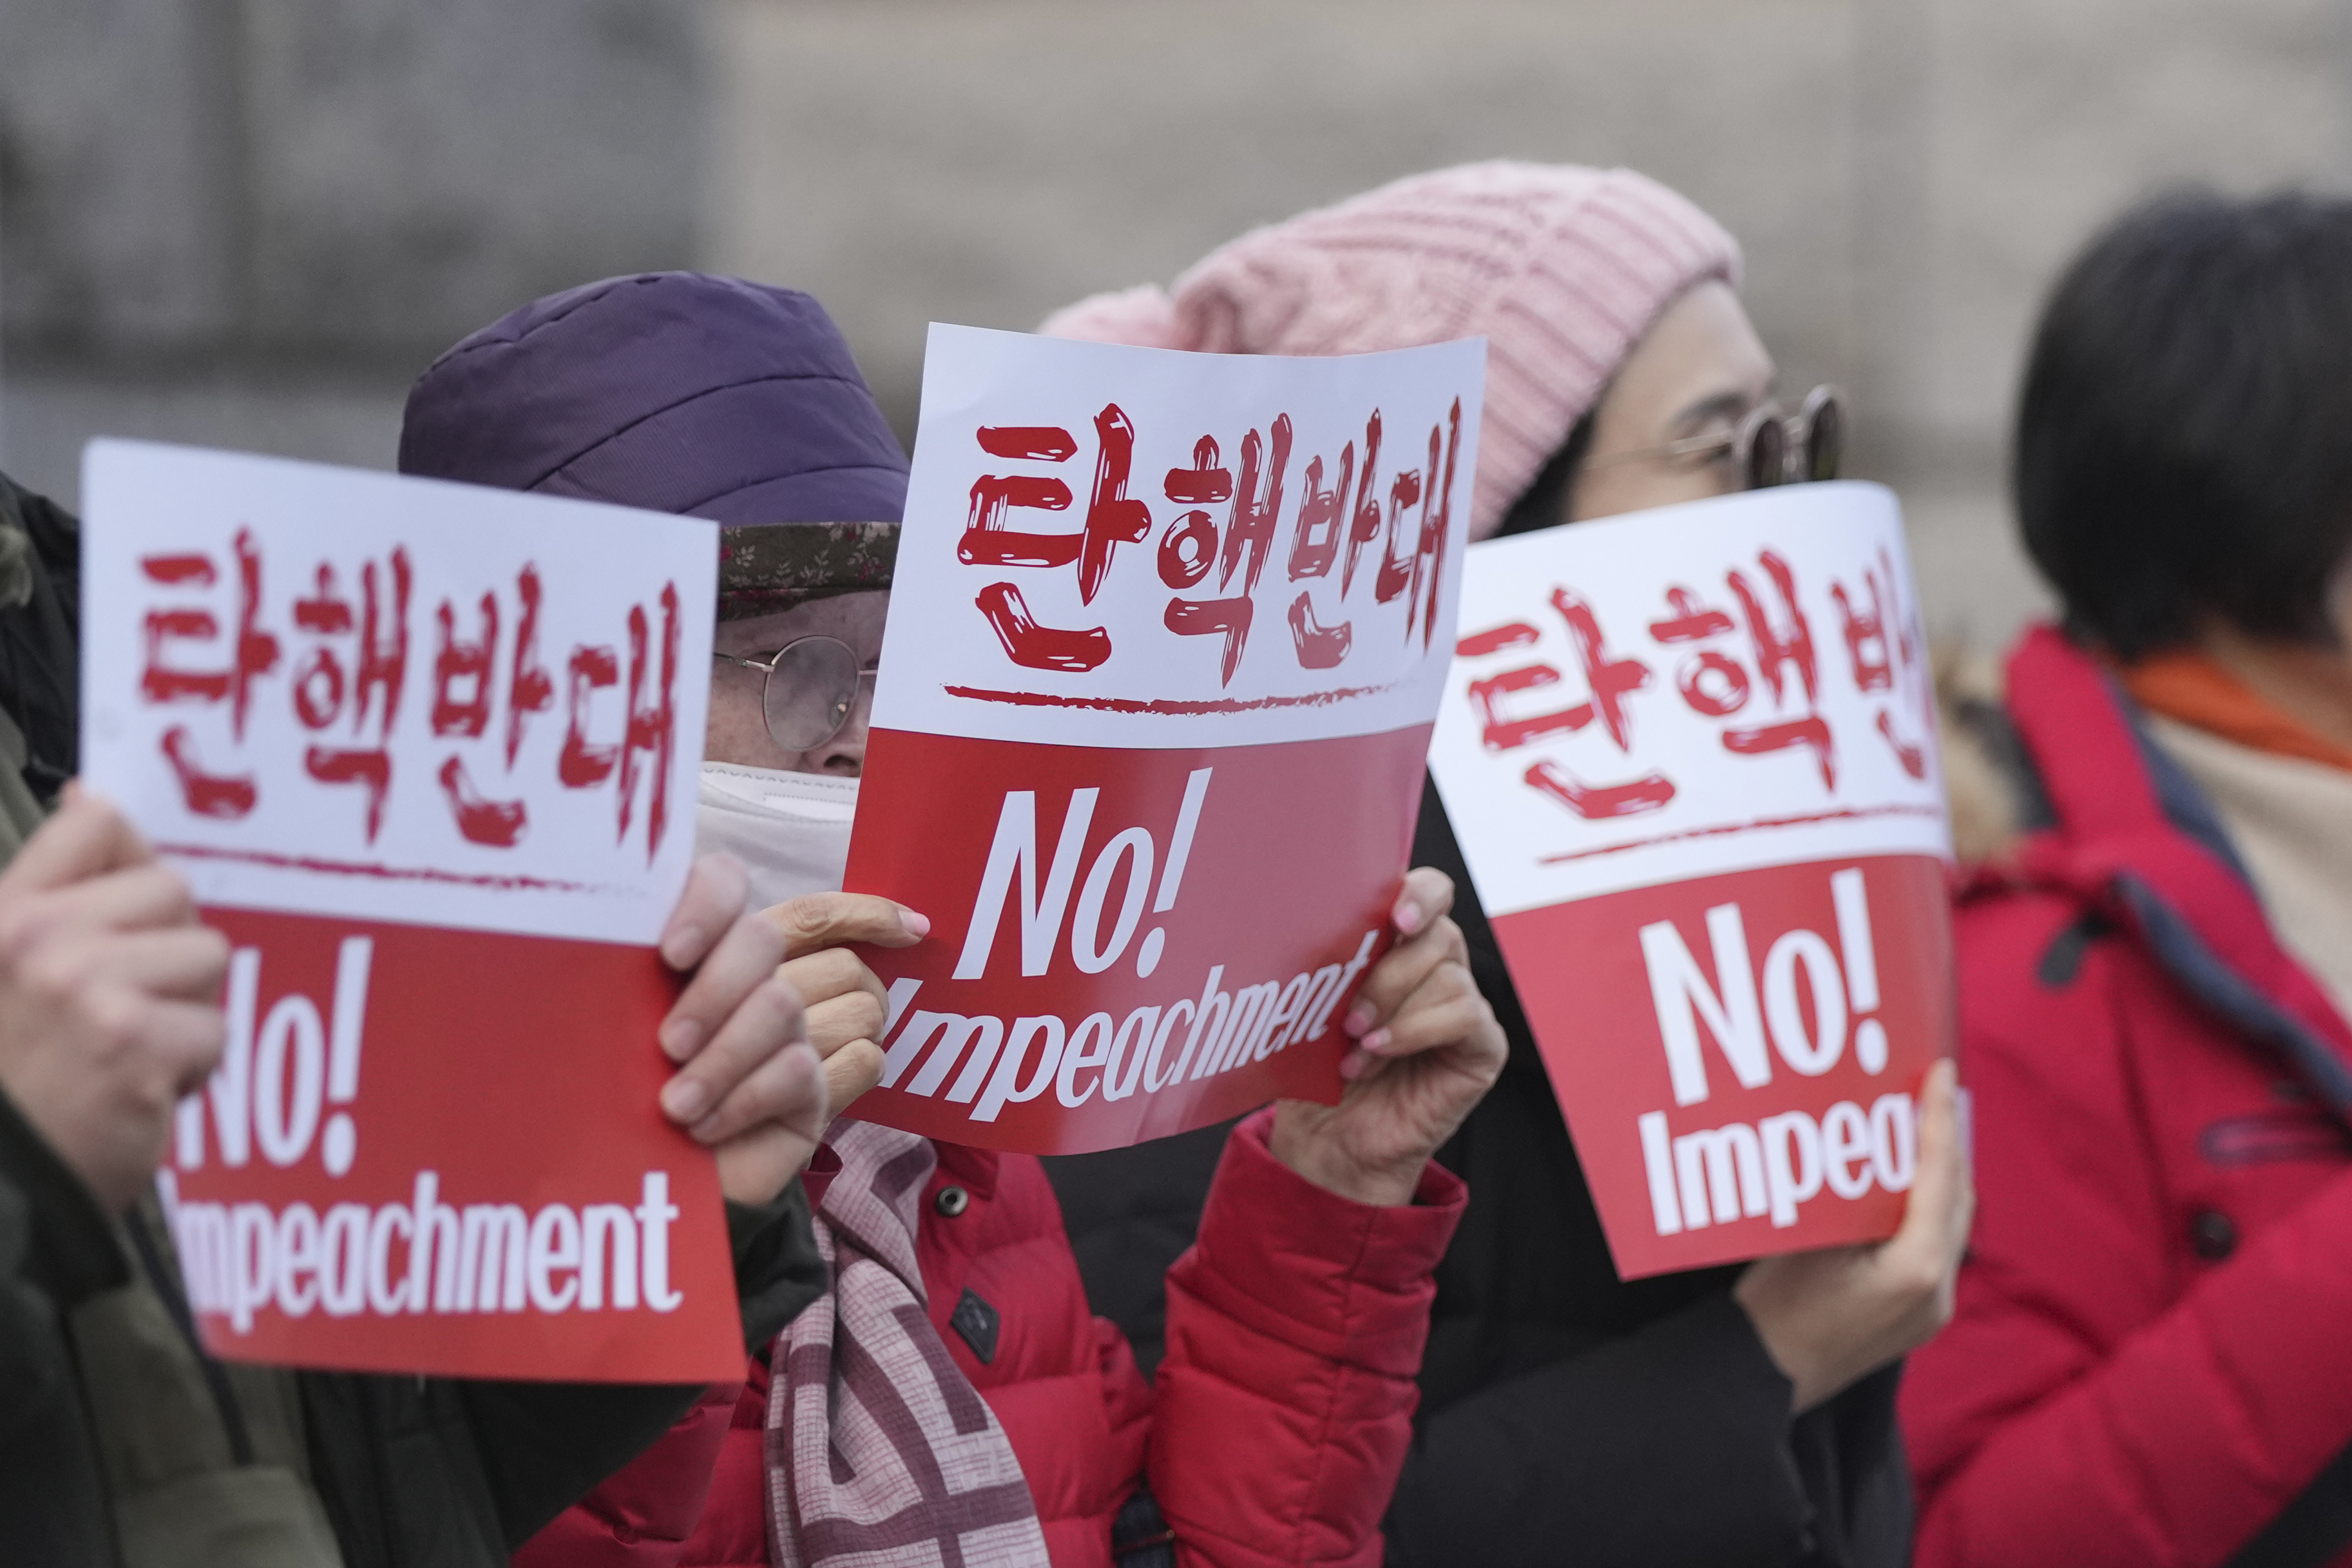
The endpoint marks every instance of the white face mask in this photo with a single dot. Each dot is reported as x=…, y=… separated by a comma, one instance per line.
x=790, y=830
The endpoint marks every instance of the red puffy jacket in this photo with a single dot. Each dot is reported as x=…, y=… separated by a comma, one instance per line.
x=1274, y=1434
x=2152, y=1358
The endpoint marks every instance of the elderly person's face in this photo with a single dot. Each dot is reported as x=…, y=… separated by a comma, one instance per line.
x=1699, y=372
x=737, y=732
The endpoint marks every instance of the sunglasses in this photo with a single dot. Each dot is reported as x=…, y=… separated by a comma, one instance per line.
x=1768, y=447
x=807, y=689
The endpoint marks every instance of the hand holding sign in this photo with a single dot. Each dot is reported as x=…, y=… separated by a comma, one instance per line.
x=108, y=994
x=420, y=750
x=849, y=1010
x=1830, y=1318
x=1153, y=769
x=1693, y=747
x=750, y=1086
x=1427, y=1049
x=776, y=1030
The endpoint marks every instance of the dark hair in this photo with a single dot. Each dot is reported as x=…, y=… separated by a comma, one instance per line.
x=2184, y=439
x=1546, y=497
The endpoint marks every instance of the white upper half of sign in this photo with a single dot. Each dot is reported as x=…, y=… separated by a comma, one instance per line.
x=337, y=692
x=1701, y=689
x=1115, y=546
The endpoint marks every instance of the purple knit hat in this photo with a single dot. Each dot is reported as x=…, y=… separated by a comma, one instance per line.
x=1561, y=269
x=682, y=393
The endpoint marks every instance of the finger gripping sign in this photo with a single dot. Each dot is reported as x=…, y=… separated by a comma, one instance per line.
x=1165, y=638
x=426, y=753
x=1690, y=757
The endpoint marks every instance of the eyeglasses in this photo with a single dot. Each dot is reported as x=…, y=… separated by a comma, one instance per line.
x=1767, y=449
x=807, y=689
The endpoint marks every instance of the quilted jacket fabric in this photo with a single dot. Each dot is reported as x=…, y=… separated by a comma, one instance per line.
x=1271, y=1437
x=2149, y=1364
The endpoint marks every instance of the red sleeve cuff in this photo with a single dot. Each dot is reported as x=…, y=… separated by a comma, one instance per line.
x=1347, y=1281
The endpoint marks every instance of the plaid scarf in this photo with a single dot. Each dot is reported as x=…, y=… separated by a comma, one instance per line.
x=880, y=1451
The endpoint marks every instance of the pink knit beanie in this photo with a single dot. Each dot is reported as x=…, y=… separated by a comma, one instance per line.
x=1561, y=269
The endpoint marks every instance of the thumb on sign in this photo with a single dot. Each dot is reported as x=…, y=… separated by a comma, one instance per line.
x=847, y=1009
x=752, y=1084
x=1427, y=1049
x=1830, y=1318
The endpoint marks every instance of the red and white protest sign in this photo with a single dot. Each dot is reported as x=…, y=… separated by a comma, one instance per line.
x=428, y=753
x=1166, y=633
x=1690, y=756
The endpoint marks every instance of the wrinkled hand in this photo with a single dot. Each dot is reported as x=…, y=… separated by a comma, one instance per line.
x=753, y=1084
x=1830, y=1318
x=846, y=1004
x=1427, y=1049
x=109, y=994
x=749, y=1084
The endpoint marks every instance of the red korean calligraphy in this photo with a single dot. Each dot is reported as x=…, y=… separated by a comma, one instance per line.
x=648, y=719
x=354, y=663
x=1747, y=656
x=253, y=653
x=1886, y=650
x=990, y=541
x=1610, y=681
x=1780, y=645
x=343, y=650
x=1211, y=568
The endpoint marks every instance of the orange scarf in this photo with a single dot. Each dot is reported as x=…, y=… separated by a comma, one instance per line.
x=2195, y=691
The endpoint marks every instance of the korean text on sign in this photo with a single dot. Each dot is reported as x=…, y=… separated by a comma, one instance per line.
x=428, y=753
x=1690, y=756
x=1165, y=637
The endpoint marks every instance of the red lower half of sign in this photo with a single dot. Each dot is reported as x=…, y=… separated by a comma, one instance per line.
x=1740, y=1057
x=439, y=1152
x=1124, y=944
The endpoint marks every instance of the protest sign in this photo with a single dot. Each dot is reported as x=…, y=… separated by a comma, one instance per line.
x=1690, y=757
x=428, y=753
x=1165, y=636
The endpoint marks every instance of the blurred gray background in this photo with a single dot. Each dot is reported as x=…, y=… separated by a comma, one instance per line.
x=250, y=223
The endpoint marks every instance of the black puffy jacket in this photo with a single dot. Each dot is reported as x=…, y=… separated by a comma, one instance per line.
x=1566, y=1416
